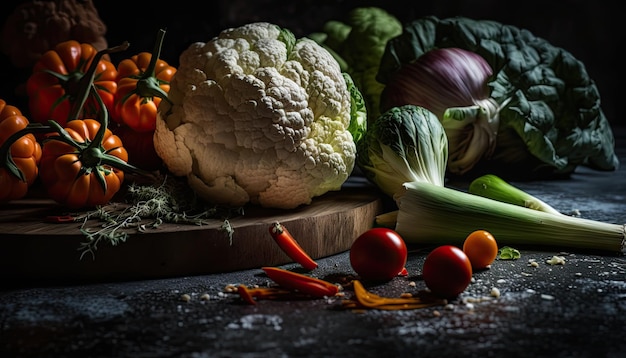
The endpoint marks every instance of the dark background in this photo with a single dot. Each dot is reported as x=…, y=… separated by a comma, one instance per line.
x=591, y=30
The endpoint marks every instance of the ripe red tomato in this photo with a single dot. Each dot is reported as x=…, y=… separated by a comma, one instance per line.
x=447, y=271
x=379, y=254
x=140, y=148
x=481, y=248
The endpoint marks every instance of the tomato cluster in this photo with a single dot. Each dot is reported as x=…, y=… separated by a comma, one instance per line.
x=448, y=269
x=24, y=154
x=380, y=254
x=69, y=142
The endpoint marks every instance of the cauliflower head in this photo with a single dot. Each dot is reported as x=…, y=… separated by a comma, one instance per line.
x=258, y=116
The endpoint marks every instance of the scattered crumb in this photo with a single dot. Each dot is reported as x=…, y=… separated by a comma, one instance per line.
x=574, y=212
x=495, y=292
x=547, y=297
x=205, y=297
x=185, y=297
x=556, y=260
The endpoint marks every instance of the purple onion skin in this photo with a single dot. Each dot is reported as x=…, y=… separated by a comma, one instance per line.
x=439, y=79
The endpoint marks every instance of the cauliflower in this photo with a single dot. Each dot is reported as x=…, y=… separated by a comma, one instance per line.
x=259, y=117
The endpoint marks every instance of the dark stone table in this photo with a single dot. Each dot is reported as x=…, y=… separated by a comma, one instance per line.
x=577, y=309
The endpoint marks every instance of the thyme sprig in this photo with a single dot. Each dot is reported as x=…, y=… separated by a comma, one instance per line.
x=147, y=207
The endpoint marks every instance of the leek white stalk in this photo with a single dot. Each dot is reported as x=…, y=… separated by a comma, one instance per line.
x=493, y=187
x=388, y=219
x=432, y=214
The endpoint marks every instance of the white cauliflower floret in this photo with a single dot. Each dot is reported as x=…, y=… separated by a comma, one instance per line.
x=258, y=117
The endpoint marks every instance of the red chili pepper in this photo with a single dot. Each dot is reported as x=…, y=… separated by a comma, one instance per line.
x=305, y=284
x=58, y=219
x=290, y=246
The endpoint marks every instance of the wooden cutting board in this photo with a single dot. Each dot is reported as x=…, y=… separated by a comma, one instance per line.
x=35, y=250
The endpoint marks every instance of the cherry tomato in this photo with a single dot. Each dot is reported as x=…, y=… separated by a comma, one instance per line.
x=481, y=248
x=447, y=271
x=379, y=254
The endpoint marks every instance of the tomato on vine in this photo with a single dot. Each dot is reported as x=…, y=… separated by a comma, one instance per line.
x=143, y=82
x=80, y=164
x=20, y=154
x=58, y=76
x=83, y=162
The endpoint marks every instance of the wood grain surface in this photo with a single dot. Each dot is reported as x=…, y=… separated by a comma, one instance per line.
x=35, y=250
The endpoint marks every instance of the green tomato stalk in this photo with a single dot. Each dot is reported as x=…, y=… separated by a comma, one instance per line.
x=433, y=214
x=494, y=187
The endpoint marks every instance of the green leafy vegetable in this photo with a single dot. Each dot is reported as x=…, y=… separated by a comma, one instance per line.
x=404, y=144
x=451, y=83
x=358, y=43
x=358, y=111
x=550, y=119
x=508, y=253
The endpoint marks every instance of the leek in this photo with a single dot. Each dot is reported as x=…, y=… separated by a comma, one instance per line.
x=432, y=214
x=494, y=187
x=388, y=219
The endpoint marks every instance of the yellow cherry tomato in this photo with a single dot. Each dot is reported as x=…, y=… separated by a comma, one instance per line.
x=481, y=248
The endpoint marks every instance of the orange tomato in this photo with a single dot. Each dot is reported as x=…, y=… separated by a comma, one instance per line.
x=481, y=248
x=83, y=167
x=53, y=86
x=143, y=82
x=137, y=102
x=25, y=153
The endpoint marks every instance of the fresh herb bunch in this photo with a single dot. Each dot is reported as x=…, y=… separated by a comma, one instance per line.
x=147, y=206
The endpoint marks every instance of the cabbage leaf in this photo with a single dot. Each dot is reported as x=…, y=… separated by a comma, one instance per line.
x=551, y=120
